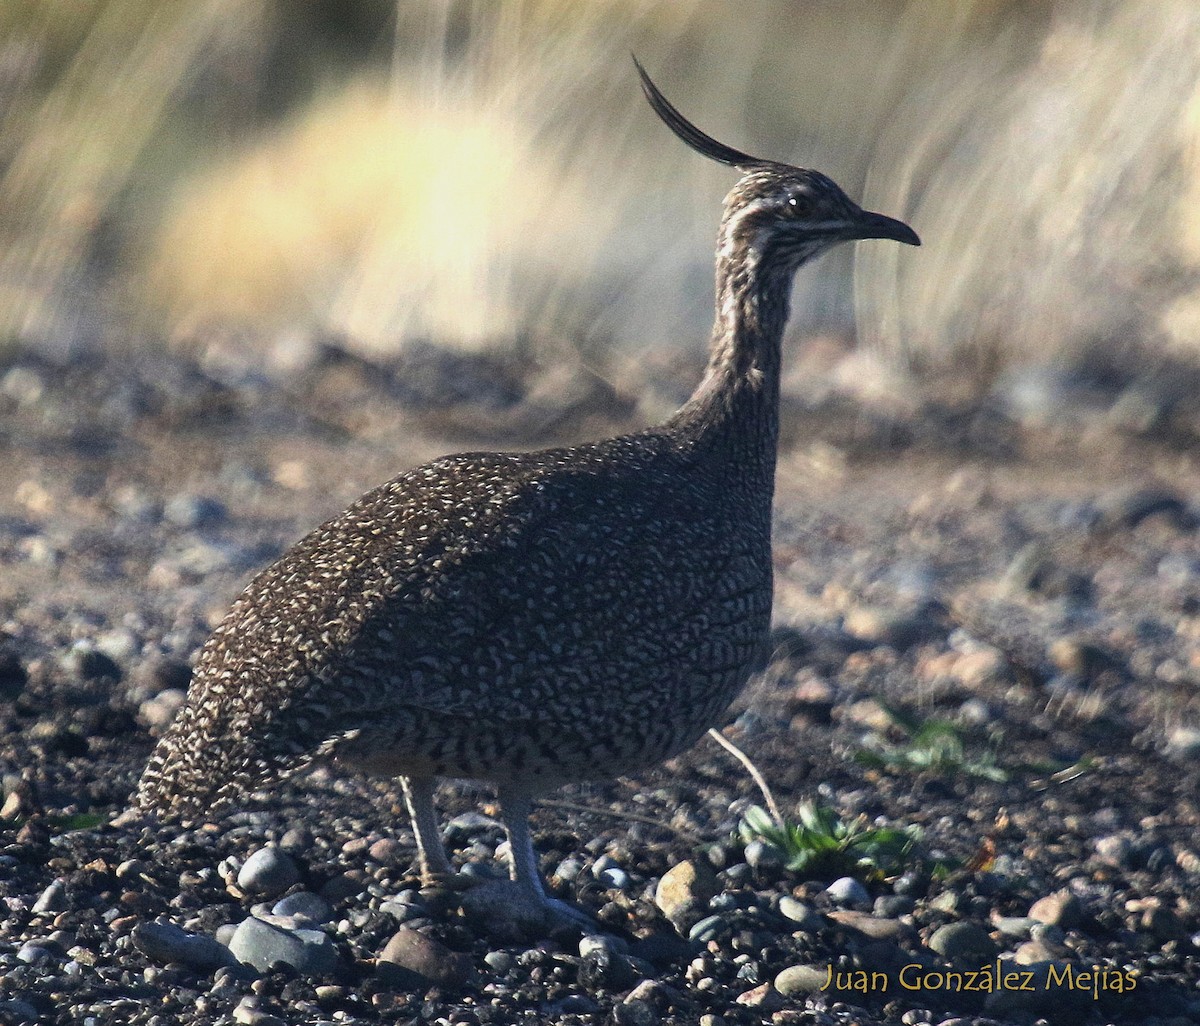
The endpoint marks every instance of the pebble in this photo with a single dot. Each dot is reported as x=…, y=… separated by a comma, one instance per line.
x=16, y=1010
x=1034, y=952
x=797, y=980
x=386, y=851
x=882, y=626
x=32, y=953
x=306, y=905
x=634, y=1013
x=500, y=962
x=160, y=711
x=849, y=893
x=1183, y=741
x=685, y=890
x=805, y=918
x=602, y=968
x=1018, y=927
x=52, y=899
x=468, y=825
x=430, y=960
x=1059, y=909
x=764, y=999
x=568, y=870
x=261, y=944
x=192, y=511
x=963, y=940
x=296, y=840
x=707, y=929
x=762, y=855
x=866, y=923
x=268, y=871
x=889, y=906
x=87, y=662
x=165, y=942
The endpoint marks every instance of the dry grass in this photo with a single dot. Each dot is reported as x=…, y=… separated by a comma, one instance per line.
x=496, y=176
x=1050, y=194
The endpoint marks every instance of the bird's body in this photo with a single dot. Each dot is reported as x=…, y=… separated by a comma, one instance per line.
x=529, y=618
x=511, y=617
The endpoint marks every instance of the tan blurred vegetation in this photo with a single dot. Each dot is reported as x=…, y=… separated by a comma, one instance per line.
x=479, y=173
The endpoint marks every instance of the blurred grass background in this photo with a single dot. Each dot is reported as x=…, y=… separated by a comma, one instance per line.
x=259, y=173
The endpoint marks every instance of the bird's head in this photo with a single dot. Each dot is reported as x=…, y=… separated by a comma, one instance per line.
x=780, y=214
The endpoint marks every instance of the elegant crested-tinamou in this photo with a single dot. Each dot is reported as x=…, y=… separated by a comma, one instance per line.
x=529, y=618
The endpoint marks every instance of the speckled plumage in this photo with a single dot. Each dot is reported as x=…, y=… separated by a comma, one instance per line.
x=530, y=618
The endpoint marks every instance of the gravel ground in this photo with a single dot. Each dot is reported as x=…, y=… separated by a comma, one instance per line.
x=988, y=630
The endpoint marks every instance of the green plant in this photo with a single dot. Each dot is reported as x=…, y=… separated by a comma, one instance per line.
x=822, y=844
x=939, y=746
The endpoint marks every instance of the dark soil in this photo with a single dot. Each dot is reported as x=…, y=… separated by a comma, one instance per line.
x=1036, y=588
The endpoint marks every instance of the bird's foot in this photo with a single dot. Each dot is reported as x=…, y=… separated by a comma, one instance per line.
x=510, y=911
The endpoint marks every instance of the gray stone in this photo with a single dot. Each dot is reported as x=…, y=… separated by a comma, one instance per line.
x=890, y=906
x=708, y=928
x=635, y=1013
x=1059, y=909
x=191, y=511
x=415, y=953
x=568, y=870
x=848, y=892
x=592, y=942
x=499, y=961
x=866, y=923
x=52, y=899
x=1184, y=741
x=261, y=944
x=304, y=905
x=1018, y=927
x=802, y=915
x=798, y=980
x=32, y=953
x=268, y=871
x=16, y=1010
x=467, y=825
x=1115, y=850
x=963, y=940
x=762, y=855
x=165, y=942
x=616, y=878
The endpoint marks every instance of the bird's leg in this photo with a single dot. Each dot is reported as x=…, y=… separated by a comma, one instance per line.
x=418, y=796
x=515, y=807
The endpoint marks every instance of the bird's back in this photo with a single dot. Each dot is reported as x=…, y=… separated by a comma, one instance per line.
x=531, y=618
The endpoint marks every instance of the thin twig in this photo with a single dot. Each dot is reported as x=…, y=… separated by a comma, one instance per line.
x=755, y=775
x=633, y=817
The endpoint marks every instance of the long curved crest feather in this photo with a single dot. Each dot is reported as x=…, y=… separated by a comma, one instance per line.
x=689, y=133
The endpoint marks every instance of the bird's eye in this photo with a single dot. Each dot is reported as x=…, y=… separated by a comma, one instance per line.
x=800, y=205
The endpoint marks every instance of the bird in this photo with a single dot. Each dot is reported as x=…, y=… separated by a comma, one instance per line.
x=529, y=619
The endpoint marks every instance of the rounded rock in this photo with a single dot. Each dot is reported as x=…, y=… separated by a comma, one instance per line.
x=262, y=944
x=962, y=940
x=268, y=871
x=798, y=980
x=684, y=889
x=165, y=943
x=1059, y=909
x=305, y=905
x=849, y=893
x=415, y=953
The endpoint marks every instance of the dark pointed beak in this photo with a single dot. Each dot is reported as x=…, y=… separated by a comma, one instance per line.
x=869, y=225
